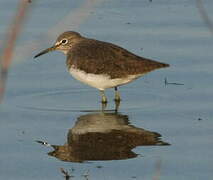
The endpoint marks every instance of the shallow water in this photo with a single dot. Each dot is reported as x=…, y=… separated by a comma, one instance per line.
x=44, y=103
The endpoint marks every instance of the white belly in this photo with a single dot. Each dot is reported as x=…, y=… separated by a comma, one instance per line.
x=100, y=82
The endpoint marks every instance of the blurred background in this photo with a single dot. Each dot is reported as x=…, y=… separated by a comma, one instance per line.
x=40, y=101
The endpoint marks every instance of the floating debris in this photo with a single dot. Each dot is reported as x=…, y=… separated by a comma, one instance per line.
x=171, y=83
x=99, y=167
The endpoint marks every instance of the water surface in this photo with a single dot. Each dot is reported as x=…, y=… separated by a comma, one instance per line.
x=44, y=103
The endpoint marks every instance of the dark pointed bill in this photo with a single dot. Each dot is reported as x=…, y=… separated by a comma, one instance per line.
x=45, y=51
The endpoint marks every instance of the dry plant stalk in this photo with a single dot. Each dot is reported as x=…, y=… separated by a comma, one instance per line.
x=73, y=19
x=204, y=15
x=157, y=170
x=11, y=37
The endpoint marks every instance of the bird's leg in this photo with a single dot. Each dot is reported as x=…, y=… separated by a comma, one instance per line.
x=103, y=107
x=117, y=105
x=117, y=95
x=103, y=97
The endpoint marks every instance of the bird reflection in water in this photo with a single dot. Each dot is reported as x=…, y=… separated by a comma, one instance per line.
x=104, y=136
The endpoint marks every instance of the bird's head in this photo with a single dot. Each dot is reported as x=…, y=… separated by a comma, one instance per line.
x=63, y=43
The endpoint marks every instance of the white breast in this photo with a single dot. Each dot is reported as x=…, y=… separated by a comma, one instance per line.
x=100, y=82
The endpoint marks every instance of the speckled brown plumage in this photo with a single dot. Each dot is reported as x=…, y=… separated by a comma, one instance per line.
x=98, y=57
x=99, y=64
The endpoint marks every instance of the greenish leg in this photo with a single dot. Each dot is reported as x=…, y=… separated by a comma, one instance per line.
x=103, y=97
x=103, y=107
x=117, y=95
x=117, y=105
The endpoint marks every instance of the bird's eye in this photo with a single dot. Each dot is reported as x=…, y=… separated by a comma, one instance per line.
x=64, y=41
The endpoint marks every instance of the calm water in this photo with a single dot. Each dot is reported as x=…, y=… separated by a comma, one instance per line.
x=43, y=102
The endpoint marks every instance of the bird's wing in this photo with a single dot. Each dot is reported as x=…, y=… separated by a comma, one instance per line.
x=99, y=57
